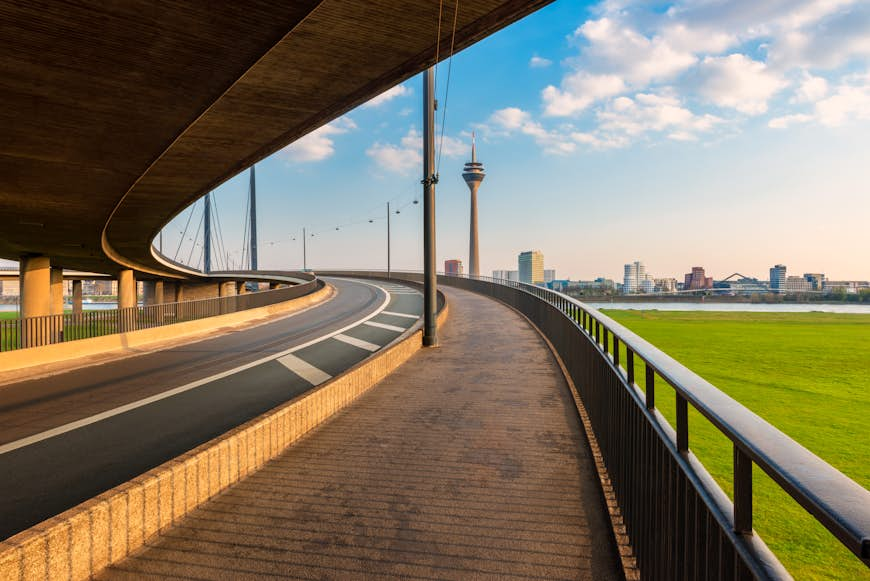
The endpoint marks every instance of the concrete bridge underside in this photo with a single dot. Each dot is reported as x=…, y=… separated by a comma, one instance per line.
x=117, y=116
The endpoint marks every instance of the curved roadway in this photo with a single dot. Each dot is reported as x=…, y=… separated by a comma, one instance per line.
x=68, y=437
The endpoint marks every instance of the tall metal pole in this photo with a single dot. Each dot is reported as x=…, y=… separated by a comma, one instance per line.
x=388, y=240
x=304, y=243
x=253, y=203
x=206, y=235
x=430, y=290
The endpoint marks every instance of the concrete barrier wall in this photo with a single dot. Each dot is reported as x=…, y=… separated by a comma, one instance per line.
x=84, y=540
x=48, y=354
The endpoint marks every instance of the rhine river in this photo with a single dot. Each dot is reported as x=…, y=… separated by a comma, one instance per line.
x=843, y=308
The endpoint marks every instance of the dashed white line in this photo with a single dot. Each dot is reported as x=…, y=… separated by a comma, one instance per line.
x=395, y=314
x=303, y=369
x=357, y=343
x=385, y=326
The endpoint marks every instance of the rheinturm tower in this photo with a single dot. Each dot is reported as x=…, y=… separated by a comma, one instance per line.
x=473, y=174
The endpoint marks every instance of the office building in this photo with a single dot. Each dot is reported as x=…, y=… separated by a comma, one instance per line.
x=697, y=279
x=636, y=280
x=453, y=267
x=816, y=280
x=666, y=285
x=531, y=267
x=549, y=275
x=777, y=278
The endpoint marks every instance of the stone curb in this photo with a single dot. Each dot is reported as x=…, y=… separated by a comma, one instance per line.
x=83, y=541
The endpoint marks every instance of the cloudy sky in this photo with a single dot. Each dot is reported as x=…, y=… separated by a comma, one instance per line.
x=728, y=134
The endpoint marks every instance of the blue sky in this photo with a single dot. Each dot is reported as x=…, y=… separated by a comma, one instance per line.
x=732, y=135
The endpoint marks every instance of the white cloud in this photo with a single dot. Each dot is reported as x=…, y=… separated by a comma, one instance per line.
x=389, y=95
x=579, y=91
x=537, y=62
x=738, y=82
x=407, y=156
x=811, y=89
x=317, y=145
x=512, y=119
x=787, y=121
x=848, y=102
x=653, y=113
x=621, y=50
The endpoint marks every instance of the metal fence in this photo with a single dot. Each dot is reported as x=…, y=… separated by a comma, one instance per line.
x=46, y=330
x=681, y=523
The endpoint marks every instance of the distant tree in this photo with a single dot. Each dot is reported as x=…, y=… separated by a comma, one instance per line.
x=838, y=294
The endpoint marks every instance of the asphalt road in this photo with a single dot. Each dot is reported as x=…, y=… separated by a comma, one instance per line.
x=68, y=437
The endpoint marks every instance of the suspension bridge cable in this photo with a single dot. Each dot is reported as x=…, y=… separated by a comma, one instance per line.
x=184, y=234
x=195, y=236
x=447, y=87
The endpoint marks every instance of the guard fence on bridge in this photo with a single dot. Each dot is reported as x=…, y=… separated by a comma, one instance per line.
x=36, y=331
x=682, y=525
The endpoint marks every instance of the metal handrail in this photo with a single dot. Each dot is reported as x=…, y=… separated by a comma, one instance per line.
x=28, y=332
x=833, y=499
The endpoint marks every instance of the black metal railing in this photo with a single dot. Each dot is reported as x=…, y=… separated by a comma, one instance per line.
x=27, y=332
x=682, y=525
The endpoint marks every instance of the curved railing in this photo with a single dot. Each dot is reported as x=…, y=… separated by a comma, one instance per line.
x=28, y=332
x=680, y=521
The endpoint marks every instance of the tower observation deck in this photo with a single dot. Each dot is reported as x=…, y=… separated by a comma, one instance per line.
x=473, y=175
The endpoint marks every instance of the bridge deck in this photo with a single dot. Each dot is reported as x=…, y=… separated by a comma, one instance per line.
x=468, y=462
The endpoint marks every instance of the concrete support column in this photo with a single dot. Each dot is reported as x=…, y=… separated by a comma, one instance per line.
x=77, y=297
x=158, y=292
x=35, y=292
x=56, y=278
x=241, y=288
x=149, y=292
x=227, y=289
x=127, y=300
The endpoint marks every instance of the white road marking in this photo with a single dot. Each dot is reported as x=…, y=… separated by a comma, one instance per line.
x=395, y=314
x=357, y=343
x=23, y=442
x=385, y=326
x=304, y=369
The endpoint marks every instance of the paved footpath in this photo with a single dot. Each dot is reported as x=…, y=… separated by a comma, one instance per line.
x=468, y=462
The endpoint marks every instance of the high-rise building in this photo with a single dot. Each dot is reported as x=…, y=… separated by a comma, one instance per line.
x=777, y=278
x=453, y=267
x=531, y=267
x=816, y=280
x=634, y=273
x=513, y=275
x=549, y=275
x=697, y=279
x=473, y=175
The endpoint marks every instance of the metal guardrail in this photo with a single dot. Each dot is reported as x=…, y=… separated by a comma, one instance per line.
x=681, y=523
x=28, y=332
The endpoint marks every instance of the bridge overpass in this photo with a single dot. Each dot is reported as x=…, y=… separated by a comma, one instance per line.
x=523, y=446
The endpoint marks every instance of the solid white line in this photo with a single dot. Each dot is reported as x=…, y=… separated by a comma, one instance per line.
x=395, y=314
x=385, y=326
x=357, y=343
x=15, y=445
x=304, y=369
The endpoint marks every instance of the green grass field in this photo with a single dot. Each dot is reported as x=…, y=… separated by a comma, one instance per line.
x=808, y=374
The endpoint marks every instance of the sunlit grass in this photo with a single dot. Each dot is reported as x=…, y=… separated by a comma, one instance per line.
x=808, y=374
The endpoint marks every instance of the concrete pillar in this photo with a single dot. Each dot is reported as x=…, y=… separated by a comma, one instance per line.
x=227, y=289
x=126, y=289
x=35, y=292
x=56, y=278
x=241, y=288
x=77, y=297
x=158, y=292
x=127, y=300
x=149, y=292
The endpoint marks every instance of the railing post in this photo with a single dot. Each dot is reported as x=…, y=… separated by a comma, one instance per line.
x=742, y=492
x=616, y=351
x=682, y=424
x=650, y=387
x=629, y=364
